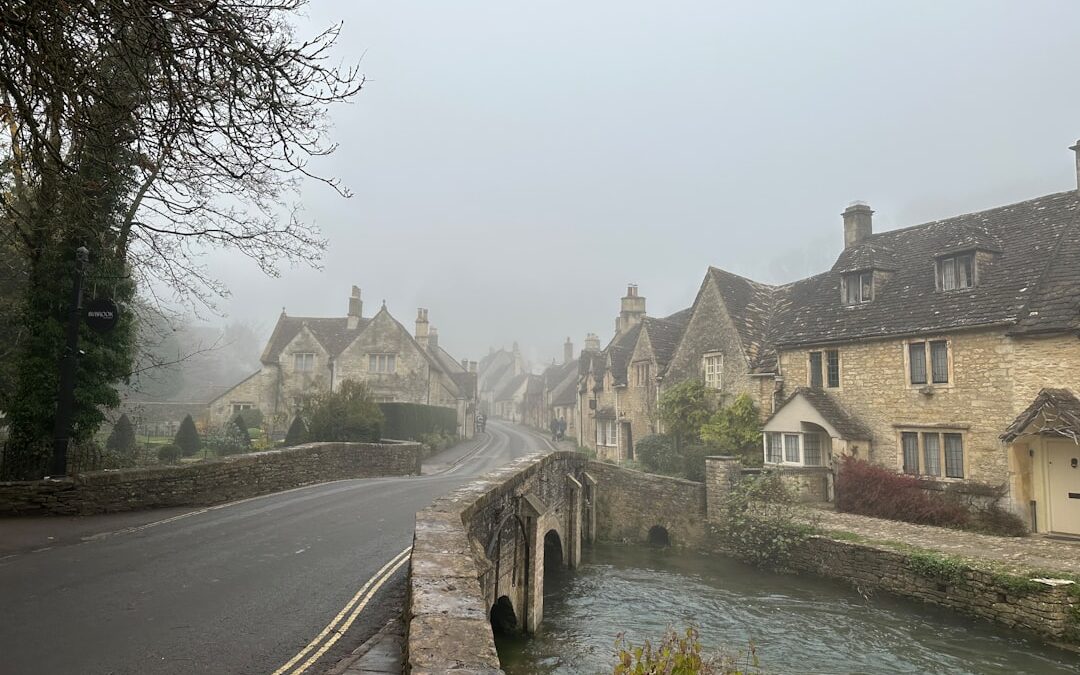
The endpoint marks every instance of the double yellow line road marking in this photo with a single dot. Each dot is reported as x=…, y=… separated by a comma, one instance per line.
x=344, y=619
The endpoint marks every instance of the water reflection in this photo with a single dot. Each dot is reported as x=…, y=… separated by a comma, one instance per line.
x=799, y=624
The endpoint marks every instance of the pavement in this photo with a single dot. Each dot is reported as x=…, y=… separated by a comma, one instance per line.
x=299, y=577
x=1021, y=555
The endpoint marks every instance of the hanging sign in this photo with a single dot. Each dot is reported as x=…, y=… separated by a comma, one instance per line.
x=101, y=314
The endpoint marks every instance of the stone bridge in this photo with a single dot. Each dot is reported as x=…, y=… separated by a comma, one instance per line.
x=480, y=553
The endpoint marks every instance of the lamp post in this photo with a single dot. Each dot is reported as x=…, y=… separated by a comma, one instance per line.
x=65, y=398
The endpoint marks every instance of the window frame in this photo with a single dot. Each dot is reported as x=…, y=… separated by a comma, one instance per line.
x=862, y=280
x=304, y=362
x=775, y=448
x=945, y=470
x=382, y=363
x=929, y=373
x=607, y=433
x=953, y=262
x=717, y=374
x=824, y=370
x=642, y=372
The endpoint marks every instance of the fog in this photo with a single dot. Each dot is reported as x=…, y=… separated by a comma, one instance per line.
x=515, y=165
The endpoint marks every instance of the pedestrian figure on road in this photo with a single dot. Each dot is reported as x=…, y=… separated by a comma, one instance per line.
x=561, y=433
x=554, y=426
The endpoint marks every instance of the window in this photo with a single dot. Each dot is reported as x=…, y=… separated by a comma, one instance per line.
x=910, y=442
x=641, y=374
x=773, y=448
x=858, y=287
x=956, y=272
x=605, y=432
x=815, y=370
x=791, y=448
x=831, y=376
x=925, y=453
x=812, y=449
x=382, y=363
x=304, y=361
x=714, y=369
x=938, y=367
x=237, y=407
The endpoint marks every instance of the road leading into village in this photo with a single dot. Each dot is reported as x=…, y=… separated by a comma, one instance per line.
x=236, y=588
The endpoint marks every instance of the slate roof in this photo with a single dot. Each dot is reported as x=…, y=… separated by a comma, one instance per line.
x=332, y=333
x=664, y=334
x=508, y=390
x=751, y=306
x=1033, y=247
x=849, y=427
x=566, y=392
x=445, y=361
x=619, y=351
x=1061, y=409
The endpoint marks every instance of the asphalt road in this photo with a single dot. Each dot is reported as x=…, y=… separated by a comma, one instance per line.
x=237, y=588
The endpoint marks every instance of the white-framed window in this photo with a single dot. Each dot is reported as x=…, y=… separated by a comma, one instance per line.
x=237, y=407
x=930, y=453
x=606, y=433
x=858, y=287
x=714, y=370
x=928, y=362
x=956, y=272
x=641, y=374
x=382, y=363
x=304, y=361
x=802, y=448
x=825, y=369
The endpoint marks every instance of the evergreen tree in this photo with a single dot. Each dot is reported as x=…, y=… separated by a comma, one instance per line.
x=297, y=433
x=187, y=437
x=241, y=431
x=122, y=438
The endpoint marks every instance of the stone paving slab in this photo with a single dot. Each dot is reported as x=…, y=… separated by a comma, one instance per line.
x=1031, y=553
x=382, y=654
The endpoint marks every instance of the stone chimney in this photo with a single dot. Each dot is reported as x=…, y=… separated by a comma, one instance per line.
x=433, y=338
x=472, y=366
x=1076, y=149
x=356, y=308
x=422, y=331
x=592, y=342
x=858, y=223
x=567, y=351
x=465, y=365
x=633, y=310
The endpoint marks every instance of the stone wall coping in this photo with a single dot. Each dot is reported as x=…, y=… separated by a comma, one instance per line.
x=644, y=475
x=722, y=458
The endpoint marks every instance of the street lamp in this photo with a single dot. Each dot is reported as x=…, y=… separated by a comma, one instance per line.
x=65, y=397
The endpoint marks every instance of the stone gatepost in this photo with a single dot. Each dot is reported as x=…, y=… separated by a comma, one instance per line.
x=719, y=470
x=590, y=507
x=573, y=526
x=533, y=510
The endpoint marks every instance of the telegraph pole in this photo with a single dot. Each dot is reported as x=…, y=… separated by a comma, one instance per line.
x=65, y=397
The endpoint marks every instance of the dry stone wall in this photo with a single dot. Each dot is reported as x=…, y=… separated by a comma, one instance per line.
x=630, y=503
x=209, y=482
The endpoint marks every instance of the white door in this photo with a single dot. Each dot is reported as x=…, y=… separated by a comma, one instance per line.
x=1063, y=483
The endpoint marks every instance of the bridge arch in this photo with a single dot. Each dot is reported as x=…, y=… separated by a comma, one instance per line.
x=502, y=616
x=554, y=552
x=659, y=536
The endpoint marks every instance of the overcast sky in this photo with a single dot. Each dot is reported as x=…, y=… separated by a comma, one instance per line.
x=516, y=164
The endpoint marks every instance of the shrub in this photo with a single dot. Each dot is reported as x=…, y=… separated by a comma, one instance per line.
x=757, y=521
x=187, y=437
x=657, y=454
x=684, y=409
x=996, y=520
x=169, y=454
x=348, y=414
x=226, y=440
x=91, y=456
x=122, y=439
x=681, y=655
x=297, y=433
x=871, y=490
x=252, y=418
x=410, y=421
x=693, y=462
x=736, y=430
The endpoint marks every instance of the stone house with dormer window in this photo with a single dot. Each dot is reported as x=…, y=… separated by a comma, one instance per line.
x=306, y=356
x=942, y=350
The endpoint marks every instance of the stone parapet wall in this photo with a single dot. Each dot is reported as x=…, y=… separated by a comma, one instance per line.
x=211, y=481
x=1051, y=611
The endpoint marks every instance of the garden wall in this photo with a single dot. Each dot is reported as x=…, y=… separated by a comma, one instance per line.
x=211, y=481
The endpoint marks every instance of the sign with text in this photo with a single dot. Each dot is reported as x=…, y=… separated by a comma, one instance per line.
x=102, y=314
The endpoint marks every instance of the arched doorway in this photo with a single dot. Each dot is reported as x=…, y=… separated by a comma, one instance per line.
x=503, y=619
x=553, y=554
x=658, y=536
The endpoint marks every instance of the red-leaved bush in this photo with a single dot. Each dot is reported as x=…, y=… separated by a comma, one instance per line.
x=871, y=490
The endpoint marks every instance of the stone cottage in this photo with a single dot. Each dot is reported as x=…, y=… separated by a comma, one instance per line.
x=947, y=350
x=313, y=355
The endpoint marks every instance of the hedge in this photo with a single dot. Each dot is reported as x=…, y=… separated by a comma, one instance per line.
x=408, y=421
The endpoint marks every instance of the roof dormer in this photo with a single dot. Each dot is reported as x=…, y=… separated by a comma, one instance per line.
x=963, y=259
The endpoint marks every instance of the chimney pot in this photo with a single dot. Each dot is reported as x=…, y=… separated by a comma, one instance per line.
x=422, y=329
x=356, y=309
x=568, y=351
x=858, y=223
x=1076, y=149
